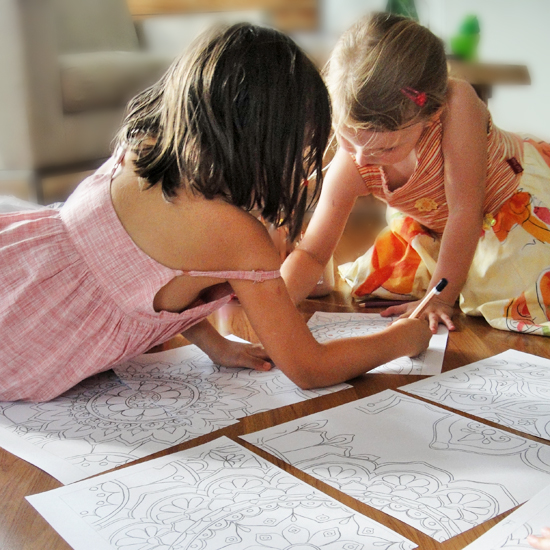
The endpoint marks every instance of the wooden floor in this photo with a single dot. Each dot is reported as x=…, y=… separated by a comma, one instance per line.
x=22, y=528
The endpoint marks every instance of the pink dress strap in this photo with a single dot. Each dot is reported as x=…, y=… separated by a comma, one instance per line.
x=118, y=157
x=256, y=276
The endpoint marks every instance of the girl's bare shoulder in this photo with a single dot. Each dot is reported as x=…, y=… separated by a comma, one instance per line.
x=462, y=98
x=226, y=231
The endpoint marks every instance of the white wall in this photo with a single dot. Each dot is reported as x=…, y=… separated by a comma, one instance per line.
x=512, y=31
x=338, y=15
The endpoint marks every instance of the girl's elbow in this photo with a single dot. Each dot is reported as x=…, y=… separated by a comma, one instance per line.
x=307, y=384
x=306, y=376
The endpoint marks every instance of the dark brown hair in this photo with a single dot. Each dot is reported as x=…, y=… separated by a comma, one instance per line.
x=243, y=114
x=374, y=61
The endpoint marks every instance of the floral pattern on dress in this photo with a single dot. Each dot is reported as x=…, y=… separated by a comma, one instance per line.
x=519, y=210
x=509, y=280
x=394, y=259
x=426, y=204
x=517, y=311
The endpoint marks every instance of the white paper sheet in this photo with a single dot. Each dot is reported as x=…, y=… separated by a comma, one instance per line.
x=511, y=389
x=512, y=531
x=331, y=326
x=158, y=401
x=255, y=391
x=217, y=495
x=433, y=469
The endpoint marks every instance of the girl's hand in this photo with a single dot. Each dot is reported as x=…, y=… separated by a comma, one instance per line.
x=239, y=354
x=541, y=542
x=436, y=312
x=415, y=332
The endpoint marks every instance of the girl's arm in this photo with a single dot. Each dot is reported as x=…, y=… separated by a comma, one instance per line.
x=230, y=239
x=465, y=155
x=304, y=266
x=289, y=342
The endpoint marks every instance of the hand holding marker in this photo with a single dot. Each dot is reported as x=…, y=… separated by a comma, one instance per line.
x=433, y=292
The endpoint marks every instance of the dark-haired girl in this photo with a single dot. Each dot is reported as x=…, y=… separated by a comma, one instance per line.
x=161, y=235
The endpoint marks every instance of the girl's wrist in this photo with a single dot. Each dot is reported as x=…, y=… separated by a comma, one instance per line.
x=447, y=297
x=444, y=302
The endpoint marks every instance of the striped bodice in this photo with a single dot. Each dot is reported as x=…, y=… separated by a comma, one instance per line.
x=423, y=196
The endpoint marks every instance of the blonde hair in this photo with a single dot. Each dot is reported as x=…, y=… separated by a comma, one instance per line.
x=374, y=62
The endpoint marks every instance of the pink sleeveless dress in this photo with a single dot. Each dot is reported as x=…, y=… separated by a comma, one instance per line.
x=77, y=294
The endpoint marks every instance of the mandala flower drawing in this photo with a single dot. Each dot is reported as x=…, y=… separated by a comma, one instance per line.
x=439, y=472
x=406, y=485
x=215, y=496
x=469, y=507
x=162, y=410
x=143, y=406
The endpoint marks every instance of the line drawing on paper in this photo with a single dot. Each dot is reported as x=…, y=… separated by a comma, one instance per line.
x=258, y=391
x=331, y=326
x=217, y=495
x=512, y=531
x=153, y=402
x=511, y=389
x=517, y=538
x=435, y=470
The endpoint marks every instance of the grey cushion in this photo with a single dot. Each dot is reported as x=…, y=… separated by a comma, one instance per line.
x=106, y=79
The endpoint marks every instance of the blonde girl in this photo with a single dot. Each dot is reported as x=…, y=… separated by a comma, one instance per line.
x=467, y=201
x=161, y=235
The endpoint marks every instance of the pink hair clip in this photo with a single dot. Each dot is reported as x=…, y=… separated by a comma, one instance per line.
x=414, y=95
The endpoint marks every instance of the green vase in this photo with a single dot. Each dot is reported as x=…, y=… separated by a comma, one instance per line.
x=402, y=7
x=464, y=43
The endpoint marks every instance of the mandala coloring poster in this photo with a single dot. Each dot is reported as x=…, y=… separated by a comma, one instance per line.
x=156, y=401
x=218, y=495
x=331, y=326
x=511, y=389
x=437, y=471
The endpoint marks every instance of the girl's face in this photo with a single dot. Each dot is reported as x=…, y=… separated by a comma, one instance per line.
x=383, y=148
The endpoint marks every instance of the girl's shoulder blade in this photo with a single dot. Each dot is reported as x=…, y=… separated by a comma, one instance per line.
x=188, y=231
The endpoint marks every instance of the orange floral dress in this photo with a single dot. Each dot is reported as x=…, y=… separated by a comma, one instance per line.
x=509, y=280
